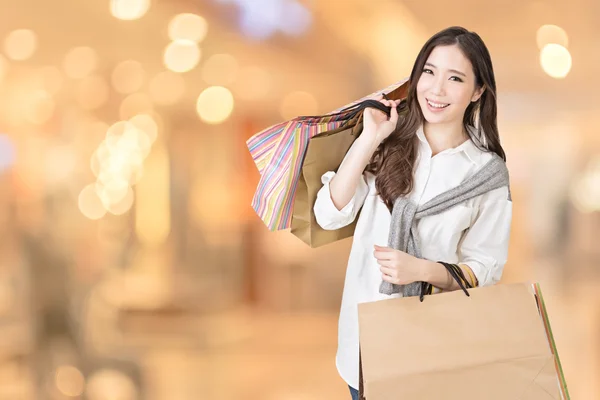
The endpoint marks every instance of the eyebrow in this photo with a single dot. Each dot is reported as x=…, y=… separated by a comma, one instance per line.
x=451, y=70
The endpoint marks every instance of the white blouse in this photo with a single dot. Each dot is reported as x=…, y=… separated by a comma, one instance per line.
x=474, y=233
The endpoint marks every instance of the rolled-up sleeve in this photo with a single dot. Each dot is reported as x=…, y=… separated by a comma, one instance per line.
x=485, y=245
x=326, y=213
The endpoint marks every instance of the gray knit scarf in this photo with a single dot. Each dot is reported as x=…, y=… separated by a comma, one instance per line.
x=405, y=214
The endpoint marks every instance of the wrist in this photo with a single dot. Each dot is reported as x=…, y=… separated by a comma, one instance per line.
x=369, y=140
x=425, y=268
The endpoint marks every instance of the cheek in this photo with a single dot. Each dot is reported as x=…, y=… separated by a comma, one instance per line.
x=422, y=86
x=460, y=96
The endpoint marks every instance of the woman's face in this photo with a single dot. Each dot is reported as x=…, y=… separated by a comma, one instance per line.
x=446, y=86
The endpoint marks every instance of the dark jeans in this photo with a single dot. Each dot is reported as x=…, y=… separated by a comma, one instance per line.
x=353, y=392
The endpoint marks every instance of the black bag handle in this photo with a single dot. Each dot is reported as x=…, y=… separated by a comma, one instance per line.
x=350, y=112
x=456, y=272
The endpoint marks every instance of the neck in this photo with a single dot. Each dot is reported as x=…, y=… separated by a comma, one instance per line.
x=444, y=136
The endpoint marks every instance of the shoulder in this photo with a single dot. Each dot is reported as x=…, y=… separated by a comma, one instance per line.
x=481, y=157
x=495, y=163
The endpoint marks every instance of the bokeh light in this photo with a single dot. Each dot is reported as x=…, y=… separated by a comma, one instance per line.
x=41, y=107
x=118, y=163
x=128, y=77
x=127, y=144
x=51, y=79
x=69, y=381
x=220, y=69
x=7, y=152
x=20, y=44
x=80, y=62
x=551, y=34
x=60, y=163
x=181, y=56
x=123, y=205
x=129, y=9
x=297, y=18
x=152, y=193
x=4, y=67
x=92, y=92
x=166, y=88
x=90, y=204
x=215, y=104
x=147, y=124
x=110, y=384
x=134, y=104
x=188, y=26
x=261, y=19
x=111, y=188
x=585, y=189
x=556, y=60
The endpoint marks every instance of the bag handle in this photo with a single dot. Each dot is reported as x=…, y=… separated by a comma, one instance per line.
x=455, y=272
x=352, y=111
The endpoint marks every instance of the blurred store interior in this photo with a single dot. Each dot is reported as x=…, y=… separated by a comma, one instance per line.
x=132, y=266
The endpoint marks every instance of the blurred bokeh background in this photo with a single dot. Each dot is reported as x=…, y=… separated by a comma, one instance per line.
x=132, y=266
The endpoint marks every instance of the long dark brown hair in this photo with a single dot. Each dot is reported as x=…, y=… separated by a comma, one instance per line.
x=393, y=162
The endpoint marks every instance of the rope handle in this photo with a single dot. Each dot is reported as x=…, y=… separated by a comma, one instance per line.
x=456, y=273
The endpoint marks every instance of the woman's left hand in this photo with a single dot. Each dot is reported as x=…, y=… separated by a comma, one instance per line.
x=398, y=267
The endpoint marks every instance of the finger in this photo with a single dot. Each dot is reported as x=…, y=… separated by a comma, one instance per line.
x=389, y=279
x=388, y=266
x=394, y=115
x=382, y=256
x=374, y=111
x=377, y=114
x=383, y=248
x=387, y=272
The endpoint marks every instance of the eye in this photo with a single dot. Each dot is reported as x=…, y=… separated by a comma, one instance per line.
x=456, y=79
x=428, y=71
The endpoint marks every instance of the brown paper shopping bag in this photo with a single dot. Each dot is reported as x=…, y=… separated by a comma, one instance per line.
x=492, y=345
x=324, y=153
x=279, y=150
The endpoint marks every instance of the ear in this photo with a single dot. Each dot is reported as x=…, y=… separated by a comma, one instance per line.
x=478, y=93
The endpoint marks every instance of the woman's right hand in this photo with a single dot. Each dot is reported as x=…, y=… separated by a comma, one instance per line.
x=376, y=124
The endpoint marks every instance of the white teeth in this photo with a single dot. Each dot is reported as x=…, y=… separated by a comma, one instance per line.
x=437, y=105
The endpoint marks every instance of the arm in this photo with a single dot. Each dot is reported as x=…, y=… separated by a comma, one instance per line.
x=343, y=193
x=484, y=249
x=436, y=274
x=350, y=174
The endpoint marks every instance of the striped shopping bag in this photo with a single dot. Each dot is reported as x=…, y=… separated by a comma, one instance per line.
x=279, y=151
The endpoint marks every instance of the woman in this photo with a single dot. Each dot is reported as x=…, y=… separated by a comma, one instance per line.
x=446, y=135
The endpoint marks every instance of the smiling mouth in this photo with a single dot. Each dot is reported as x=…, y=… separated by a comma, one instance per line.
x=437, y=105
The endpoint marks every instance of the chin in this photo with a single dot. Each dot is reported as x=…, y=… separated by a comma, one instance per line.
x=435, y=119
x=432, y=118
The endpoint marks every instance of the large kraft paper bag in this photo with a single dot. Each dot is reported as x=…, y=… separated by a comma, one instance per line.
x=494, y=345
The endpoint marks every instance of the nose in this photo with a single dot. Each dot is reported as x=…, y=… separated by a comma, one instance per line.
x=438, y=87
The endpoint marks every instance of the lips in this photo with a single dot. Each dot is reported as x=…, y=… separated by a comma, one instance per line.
x=437, y=105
